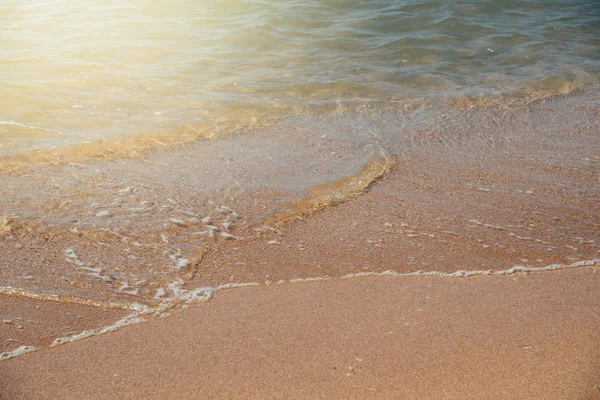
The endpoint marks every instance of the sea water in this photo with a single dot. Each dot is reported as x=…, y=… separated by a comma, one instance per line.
x=153, y=153
x=73, y=72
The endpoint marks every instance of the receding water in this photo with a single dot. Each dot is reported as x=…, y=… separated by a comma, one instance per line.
x=75, y=71
x=348, y=138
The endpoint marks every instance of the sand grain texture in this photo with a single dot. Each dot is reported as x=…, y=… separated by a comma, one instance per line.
x=514, y=337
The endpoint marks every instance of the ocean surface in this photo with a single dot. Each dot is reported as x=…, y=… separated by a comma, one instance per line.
x=153, y=153
x=73, y=72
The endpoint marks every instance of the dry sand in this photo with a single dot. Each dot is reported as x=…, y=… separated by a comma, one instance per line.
x=520, y=336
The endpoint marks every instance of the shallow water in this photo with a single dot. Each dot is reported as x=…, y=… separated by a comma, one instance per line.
x=73, y=72
x=342, y=139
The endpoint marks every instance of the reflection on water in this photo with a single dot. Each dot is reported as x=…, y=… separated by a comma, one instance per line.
x=72, y=72
x=350, y=138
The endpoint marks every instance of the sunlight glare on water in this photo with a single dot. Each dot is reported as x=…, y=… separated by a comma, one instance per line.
x=348, y=138
x=73, y=71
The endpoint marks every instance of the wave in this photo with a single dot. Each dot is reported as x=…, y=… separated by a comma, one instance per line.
x=331, y=193
x=140, y=234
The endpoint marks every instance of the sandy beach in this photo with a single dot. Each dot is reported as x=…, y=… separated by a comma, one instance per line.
x=111, y=249
x=299, y=199
x=521, y=336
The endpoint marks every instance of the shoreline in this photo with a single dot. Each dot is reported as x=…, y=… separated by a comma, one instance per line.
x=154, y=235
x=517, y=336
x=188, y=298
x=404, y=196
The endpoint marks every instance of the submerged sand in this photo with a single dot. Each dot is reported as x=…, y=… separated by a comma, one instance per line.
x=524, y=336
x=88, y=248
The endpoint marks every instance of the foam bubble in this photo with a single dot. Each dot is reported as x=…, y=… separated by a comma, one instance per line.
x=17, y=352
x=129, y=320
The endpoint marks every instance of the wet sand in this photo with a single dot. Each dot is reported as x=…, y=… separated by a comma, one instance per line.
x=522, y=336
x=479, y=194
x=92, y=247
x=38, y=323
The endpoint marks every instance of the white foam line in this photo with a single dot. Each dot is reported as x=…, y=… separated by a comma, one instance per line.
x=464, y=273
x=227, y=286
x=204, y=294
x=303, y=280
x=186, y=296
x=16, y=352
x=129, y=320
